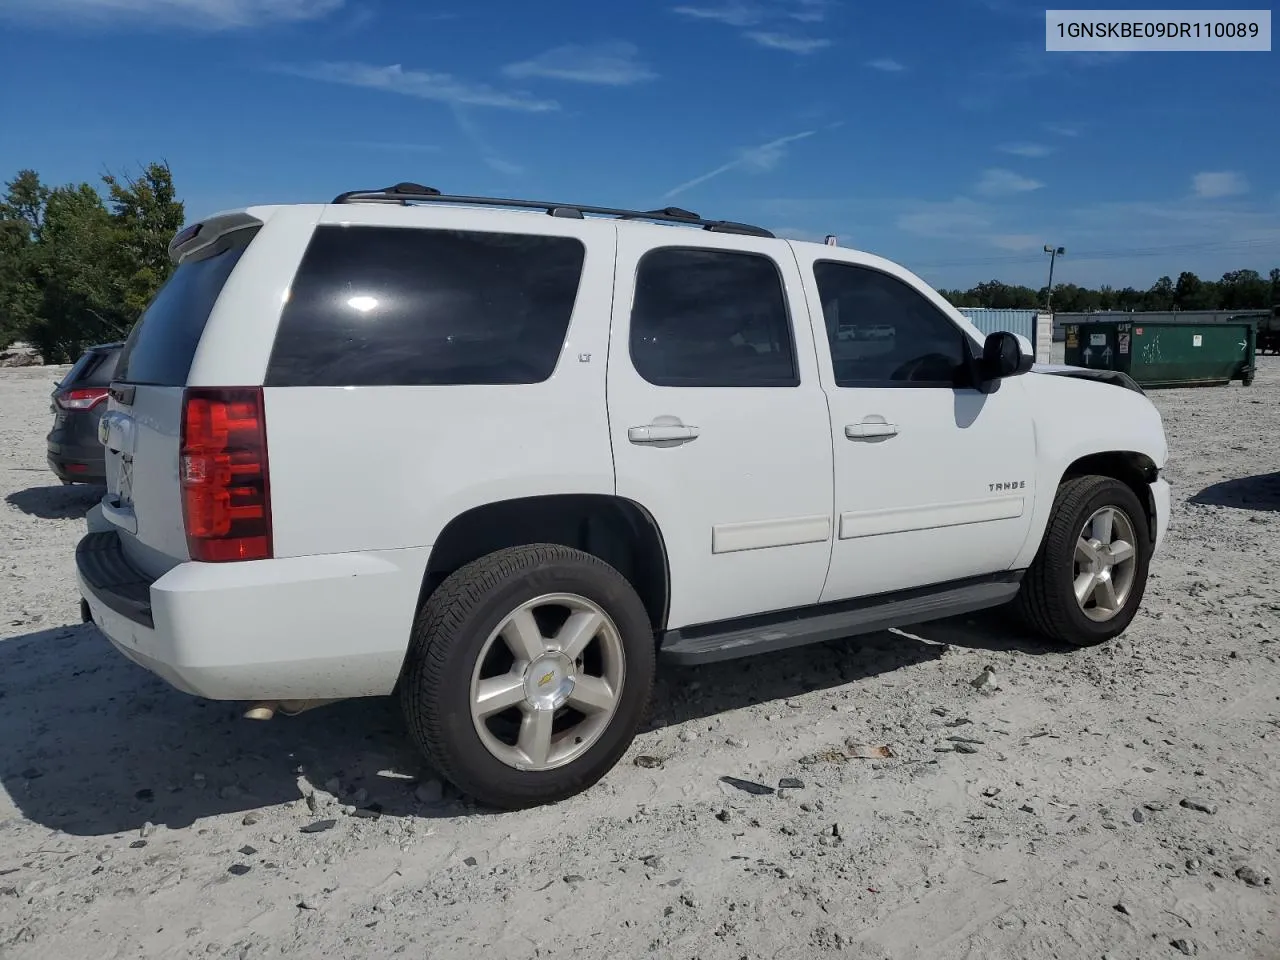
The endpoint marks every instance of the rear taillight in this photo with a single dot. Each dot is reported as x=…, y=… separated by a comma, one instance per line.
x=84, y=398
x=226, y=494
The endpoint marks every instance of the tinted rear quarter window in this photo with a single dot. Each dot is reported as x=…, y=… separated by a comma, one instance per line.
x=383, y=306
x=163, y=342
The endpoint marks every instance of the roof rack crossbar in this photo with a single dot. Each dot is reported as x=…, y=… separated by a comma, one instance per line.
x=405, y=193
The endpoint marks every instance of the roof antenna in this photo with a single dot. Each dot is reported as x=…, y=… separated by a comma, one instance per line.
x=830, y=240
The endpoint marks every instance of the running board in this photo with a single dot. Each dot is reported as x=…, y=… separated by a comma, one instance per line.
x=831, y=621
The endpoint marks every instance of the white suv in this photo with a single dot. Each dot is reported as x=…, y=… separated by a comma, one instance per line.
x=500, y=456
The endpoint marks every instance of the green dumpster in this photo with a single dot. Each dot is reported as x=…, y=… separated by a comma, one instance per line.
x=1165, y=353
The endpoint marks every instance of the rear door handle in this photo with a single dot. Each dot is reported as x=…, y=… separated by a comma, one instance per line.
x=662, y=433
x=864, y=431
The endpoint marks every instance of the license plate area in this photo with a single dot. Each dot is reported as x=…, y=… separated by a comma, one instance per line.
x=118, y=433
x=120, y=487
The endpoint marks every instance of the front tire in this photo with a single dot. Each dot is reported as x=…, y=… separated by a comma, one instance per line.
x=1088, y=578
x=528, y=674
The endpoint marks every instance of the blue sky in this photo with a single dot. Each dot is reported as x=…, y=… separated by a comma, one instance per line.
x=941, y=135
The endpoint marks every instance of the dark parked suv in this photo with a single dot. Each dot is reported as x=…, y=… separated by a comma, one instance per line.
x=75, y=453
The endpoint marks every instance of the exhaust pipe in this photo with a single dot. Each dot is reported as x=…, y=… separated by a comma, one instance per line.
x=289, y=708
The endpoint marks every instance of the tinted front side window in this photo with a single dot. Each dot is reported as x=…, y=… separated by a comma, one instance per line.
x=710, y=318
x=884, y=333
x=383, y=306
x=163, y=342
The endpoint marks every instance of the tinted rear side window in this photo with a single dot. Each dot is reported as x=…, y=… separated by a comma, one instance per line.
x=382, y=306
x=163, y=342
x=711, y=318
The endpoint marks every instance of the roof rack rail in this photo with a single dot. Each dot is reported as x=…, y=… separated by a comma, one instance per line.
x=406, y=193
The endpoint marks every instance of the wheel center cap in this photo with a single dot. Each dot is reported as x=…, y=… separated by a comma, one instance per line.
x=548, y=681
x=1100, y=564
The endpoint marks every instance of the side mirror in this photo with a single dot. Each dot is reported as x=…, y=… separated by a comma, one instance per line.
x=1003, y=356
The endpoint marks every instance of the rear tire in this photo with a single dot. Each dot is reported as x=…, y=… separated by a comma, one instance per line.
x=501, y=697
x=1096, y=546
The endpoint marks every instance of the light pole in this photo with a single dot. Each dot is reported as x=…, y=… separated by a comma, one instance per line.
x=1054, y=253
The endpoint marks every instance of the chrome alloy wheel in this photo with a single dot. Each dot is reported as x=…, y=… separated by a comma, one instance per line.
x=547, y=682
x=1106, y=562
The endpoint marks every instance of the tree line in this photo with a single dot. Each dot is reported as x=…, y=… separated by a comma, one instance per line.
x=1237, y=290
x=79, y=263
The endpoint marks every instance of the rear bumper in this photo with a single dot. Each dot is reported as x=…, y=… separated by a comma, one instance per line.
x=73, y=450
x=299, y=628
x=1161, y=501
x=78, y=471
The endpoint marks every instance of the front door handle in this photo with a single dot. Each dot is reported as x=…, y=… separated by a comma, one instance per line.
x=867, y=430
x=662, y=433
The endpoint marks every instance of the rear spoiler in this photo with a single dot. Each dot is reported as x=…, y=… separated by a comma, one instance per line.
x=196, y=237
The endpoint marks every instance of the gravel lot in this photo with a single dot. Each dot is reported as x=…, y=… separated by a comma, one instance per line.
x=1122, y=801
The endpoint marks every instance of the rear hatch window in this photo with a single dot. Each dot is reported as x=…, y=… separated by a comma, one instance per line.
x=98, y=371
x=163, y=342
x=142, y=426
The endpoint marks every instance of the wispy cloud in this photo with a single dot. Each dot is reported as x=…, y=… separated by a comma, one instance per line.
x=607, y=64
x=969, y=225
x=811, y=11
x=946, y=219
x=480, y=143
x=1117, y=225
x=197, y=14
x=886, y=65
x=1016, y=242
x=996, y=182
x=1225, y=183
x=504, y=166
x=1063, y=129
x=1017, y=65
x=422, y=84
x=1116, y=242
x=771, y=17
x=730, y=14
x=1026, y=149
x=785, y=41
x=764, y=157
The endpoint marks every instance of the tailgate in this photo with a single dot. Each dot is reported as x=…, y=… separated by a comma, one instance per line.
x=141, y=429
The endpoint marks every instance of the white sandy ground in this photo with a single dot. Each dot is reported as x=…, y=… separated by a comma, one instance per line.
x=1062, y=836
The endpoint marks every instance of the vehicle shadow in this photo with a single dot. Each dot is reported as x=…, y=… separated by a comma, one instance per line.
x=682, y=694
x=94, y=745
x=1261, y=492
x=997, y=630
x=780, y=676
x=57, y=503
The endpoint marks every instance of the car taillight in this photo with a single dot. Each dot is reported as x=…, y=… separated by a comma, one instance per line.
x=84, y=398
x=226, y=494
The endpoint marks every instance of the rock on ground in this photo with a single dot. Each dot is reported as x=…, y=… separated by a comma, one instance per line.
x=1022, y=849
x=20, y=355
